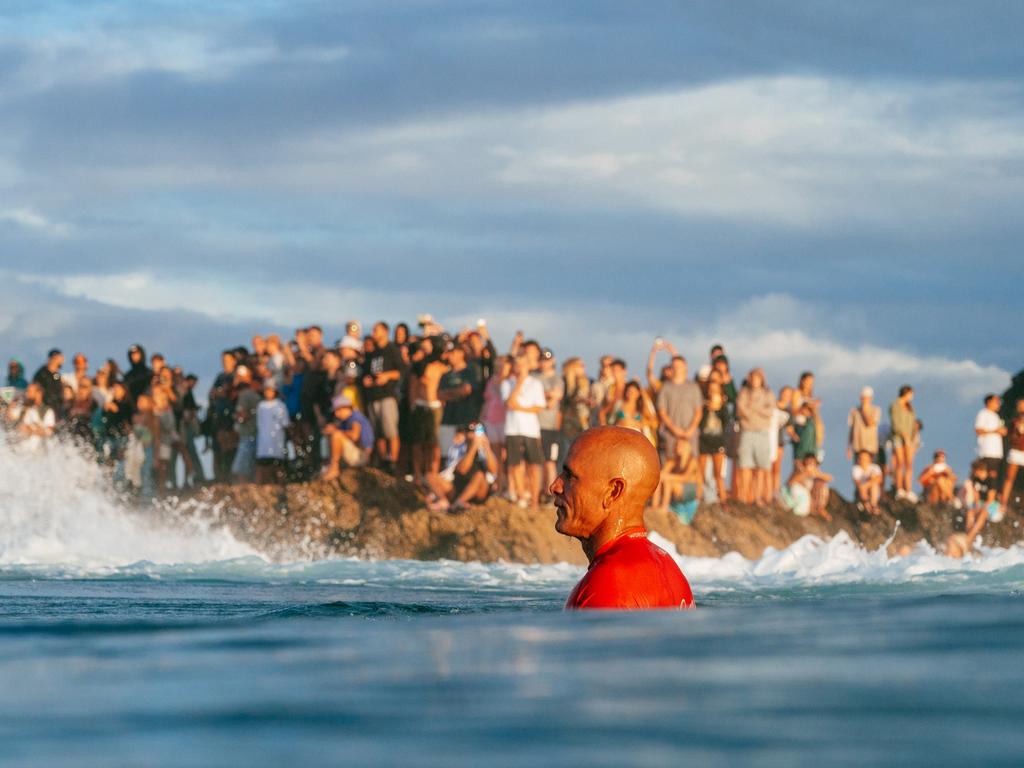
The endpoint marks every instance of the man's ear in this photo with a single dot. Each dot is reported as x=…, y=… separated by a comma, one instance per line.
x=615, y=491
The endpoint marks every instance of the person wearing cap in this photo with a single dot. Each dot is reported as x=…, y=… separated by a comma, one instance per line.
x=49, y=379
x=469, y=474
x=190, y=428
x=461, y=391
x=863, y=422
x=350, y=435
x=272, y=423
x=551, y=417
x=381, y=376
x=243, y=464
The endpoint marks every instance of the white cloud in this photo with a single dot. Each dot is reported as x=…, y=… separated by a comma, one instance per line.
x=30, y=219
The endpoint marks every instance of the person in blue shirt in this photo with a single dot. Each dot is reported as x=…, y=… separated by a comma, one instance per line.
x=350, y=435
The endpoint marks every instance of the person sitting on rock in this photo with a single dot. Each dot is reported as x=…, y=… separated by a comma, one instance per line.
x=469, y=474
x=350, y=435
x=605, y=481
x=938, y=483
x=867, y=479
x=807, y=491
x=978, y=492
x=680, y=483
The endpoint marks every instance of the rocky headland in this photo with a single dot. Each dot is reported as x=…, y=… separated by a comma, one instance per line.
x=368, y=514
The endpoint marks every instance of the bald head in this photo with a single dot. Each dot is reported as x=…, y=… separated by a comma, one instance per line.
x=605, y=482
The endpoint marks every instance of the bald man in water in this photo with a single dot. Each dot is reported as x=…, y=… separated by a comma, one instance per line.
x=606, y=480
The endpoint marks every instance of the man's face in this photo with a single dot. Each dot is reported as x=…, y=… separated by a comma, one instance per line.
x=578, y=495
x=863, y=459
x=679, y=371
x=229, y=363
x=57, y=361
x=523, y=366
x=532, y=354
x=343, y=413
x=34, y=394
x=619, y=373
x=81, y=363
x=135, y=356
x=380, y=335
x=994, y=403
x=314, y=336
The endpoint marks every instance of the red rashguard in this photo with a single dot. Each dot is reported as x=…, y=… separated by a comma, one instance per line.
x=631, y=572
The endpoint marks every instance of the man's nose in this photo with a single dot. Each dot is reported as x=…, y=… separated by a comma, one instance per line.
x=556, y=486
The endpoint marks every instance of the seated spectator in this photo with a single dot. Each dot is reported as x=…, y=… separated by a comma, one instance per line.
x=272, y=423
x=807, y=491
x=979, y=501
x=937, y=480
x=350, y=435
x=867, y=479
x=32, y=419
x=469, y=473
x=681, y=483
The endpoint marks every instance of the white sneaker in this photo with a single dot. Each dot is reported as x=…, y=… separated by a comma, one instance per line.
x=911, y=497
x=900, y=493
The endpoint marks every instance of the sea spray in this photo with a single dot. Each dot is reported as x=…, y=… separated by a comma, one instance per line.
x=57, y=507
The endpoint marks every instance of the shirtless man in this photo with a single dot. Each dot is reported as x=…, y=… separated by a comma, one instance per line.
x=600, y=495
x=428, y=368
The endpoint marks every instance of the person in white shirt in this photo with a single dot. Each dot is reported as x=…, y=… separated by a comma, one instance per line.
x=938, y=482
x=991, y=430
x=524, y=398
x=32, y=419
x=867, y=478
x=272, y=424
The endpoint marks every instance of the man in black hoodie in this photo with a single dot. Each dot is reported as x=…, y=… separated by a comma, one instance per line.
x=139, y=377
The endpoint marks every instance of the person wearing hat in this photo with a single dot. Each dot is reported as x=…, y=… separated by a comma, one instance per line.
x=863, y=422
x=551, y=416
x=272, y=423
x=49, y=378
x=350, y=435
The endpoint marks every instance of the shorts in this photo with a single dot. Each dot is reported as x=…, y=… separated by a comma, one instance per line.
x=711, y=444
x=755, y=450
x=384, y=418
x=551, y=444
x=352, y=455
x=425, y=424
x=1015, y=457
x=495, y=432
x=520, y=448
x=992, y=464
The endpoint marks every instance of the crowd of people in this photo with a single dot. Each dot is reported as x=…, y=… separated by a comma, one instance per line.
x=462, y=420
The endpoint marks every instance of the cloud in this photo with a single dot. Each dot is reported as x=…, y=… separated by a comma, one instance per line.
x=32, y=220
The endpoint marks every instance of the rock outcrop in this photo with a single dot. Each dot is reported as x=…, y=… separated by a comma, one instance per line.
x=368, y=514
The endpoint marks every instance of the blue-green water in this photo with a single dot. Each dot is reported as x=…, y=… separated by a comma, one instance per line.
x=124, y=642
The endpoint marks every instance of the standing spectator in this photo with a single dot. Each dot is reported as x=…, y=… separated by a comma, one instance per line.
x=245, y=425
x=599, y=389
x=755, y=405
x=715, y=425
x=80, y=363
x=494, y=412
x=523, y=395
x=462, y=394
x=720, y=365
x=680, y=407
x=938, y=482
x=139, y=377
x=867, y=480
x=806, y=426
x=146, y=432
x=380, y=386
x=80, y=415
x=863, y=422
x=221, y=418
x=167, y=440
x=1015, y=457
x=16, y=376
x=50, y=381
x=33, y=419
x=636, y=411
x=428, y=367
x=615, y=391
x=990, y=429
x=551, y=417
x=351, y=437
x=780, y=422
x=272, y=423
x=115, y=425
x=903, y=427
x=190, y=428
x=576, y=400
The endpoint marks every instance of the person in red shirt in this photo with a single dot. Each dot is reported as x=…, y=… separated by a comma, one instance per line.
x=600, y=494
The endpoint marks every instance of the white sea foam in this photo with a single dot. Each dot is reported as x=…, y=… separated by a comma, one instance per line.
x=56, y=508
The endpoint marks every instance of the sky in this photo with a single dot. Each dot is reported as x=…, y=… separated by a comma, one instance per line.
x=817, y=185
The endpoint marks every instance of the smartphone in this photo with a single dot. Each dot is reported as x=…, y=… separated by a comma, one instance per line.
x=480, y=430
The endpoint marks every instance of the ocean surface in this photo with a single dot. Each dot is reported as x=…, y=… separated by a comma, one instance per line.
x=127, y=642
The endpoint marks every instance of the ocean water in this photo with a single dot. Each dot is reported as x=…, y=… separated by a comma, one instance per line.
x=128, y=642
